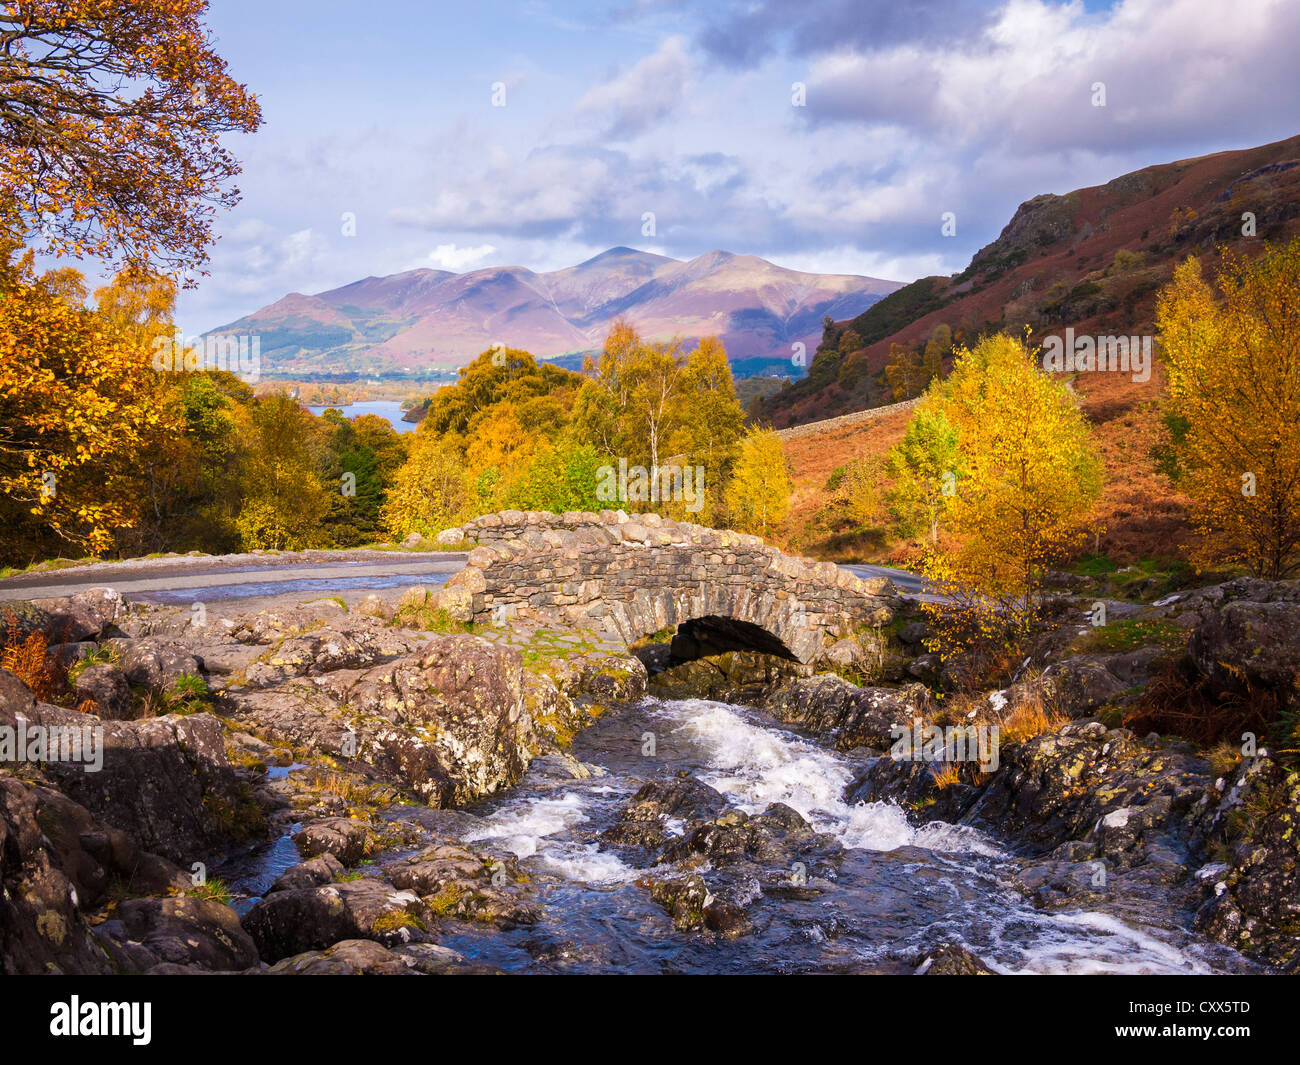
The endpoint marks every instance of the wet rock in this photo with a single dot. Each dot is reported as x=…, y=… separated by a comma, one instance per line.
x=1252, y=899
x=456, y=882
x=323, y=869
x=1087, y=781
x=694, y=908
x=302, y=919
x=744, y=677
x=777, y=836
x=643, y=822
x=853, y=717
x=950, y=959
x=915, y=785
x=433, y=959
x=338, y=837
x=352, y=957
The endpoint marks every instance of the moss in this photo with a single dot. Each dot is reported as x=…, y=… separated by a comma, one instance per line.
x=444, y=903
x=395, y=920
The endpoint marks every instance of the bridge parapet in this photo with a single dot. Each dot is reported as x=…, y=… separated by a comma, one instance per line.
x=628, y=576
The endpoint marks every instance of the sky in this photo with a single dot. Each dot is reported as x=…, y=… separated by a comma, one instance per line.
x=540, y=133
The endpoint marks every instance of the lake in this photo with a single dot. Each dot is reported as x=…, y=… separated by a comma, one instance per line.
x=385, y=408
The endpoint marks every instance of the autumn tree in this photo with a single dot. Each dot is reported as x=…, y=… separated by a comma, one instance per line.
x=431, y=491
x=903, y=372
x=74, y=417
x=711, y=422
x=649, y=403
x=111, y=116
x=357, y=459
x=1234, y=384
x=283, y=498
x=1029, y=476
x=758, y=495
x=925, y=466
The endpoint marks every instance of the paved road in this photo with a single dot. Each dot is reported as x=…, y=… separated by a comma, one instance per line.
x=909, y=584
x=252, y=580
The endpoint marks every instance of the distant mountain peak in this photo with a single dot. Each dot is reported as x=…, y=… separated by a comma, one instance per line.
x=424, y=319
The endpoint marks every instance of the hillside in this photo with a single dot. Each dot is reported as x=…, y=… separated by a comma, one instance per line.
x=1053, y=266
x=1093, y=259
x=426, y=322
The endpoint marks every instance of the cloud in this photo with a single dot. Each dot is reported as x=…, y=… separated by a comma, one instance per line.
x=450, y=257
x=1173, y=71
x=746, y=33
x=643, y=95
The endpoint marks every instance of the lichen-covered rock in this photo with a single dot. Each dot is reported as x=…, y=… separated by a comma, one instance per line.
x=455, y=882
x=201, y=934
x=107, y=687
x=851, y=716
x=155, y=662
x=1254, y=896
x=338, y=837
x=302, y=919
x=41, y=928
x=1250, y=644
x=167, y=780
x=950, y=959
x=694, y=908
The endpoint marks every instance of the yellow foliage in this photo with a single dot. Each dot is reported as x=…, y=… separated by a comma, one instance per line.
x=758, y=496
x=1234, y=378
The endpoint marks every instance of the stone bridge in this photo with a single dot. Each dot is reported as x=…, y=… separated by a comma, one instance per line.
x=629, y=576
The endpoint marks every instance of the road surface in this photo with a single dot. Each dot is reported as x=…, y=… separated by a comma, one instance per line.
x=249, y=581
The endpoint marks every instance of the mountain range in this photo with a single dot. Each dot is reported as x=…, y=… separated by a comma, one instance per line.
x=426, y=322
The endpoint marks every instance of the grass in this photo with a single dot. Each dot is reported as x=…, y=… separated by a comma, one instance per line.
x=188, y=694
x=100, y=656
x=1146, y=578
x=1130, y=634
x=1030, y=719
x=214, y=889
x=947, y=776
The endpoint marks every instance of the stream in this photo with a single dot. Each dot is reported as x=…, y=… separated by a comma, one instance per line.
x=895, y=890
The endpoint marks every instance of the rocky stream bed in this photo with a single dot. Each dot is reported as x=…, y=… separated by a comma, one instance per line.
x=374, y=790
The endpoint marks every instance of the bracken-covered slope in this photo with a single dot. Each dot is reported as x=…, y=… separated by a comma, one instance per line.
x=425, y=320
x=1055, y=265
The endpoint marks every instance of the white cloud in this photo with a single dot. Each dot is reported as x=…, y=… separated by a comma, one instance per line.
x=645, y=94
x=450, y=257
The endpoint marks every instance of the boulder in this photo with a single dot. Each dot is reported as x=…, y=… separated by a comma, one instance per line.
x=155, y=662
x=290, y=922
x=853, y=717
x=107, y=687
x=197, y=933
